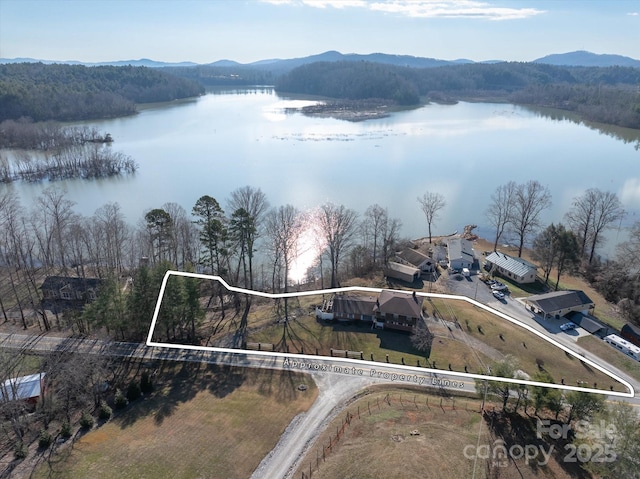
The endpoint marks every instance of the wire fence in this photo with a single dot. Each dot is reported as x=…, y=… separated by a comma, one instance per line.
x=406, y=402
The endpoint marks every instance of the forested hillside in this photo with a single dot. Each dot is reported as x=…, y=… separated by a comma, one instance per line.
x=74, y=92
x=354, y=81
x=608, y=95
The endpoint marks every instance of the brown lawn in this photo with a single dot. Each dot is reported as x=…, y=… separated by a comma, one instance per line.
x=206, y=422
x=407, y=433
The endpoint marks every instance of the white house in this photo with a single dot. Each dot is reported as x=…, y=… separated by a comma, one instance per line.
x=517, y=269
x=460, y=252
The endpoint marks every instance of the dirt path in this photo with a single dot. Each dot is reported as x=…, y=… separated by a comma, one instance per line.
x=335, y=393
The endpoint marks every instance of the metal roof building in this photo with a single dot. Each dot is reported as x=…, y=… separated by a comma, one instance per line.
x=517, y=269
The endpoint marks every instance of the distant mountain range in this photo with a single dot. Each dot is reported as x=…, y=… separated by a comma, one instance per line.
x=578, y=58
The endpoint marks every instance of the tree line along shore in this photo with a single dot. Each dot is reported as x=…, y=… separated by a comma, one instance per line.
x=73, y=92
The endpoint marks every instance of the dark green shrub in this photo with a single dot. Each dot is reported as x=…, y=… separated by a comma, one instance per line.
x=104, y=411
x=65, y=431
x=45, y=439
x=21, y=451
x=86, y=421
x=120, y=399
x=133, y=391
x=146, y=386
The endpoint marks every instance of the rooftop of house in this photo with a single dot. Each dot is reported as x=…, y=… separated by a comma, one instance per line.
x=403, y=268
x=413, y=256
x=517, y=266
x=395, y=302
x=351, y=304
x=558, y=300
x=460, y=248
x=77, y=284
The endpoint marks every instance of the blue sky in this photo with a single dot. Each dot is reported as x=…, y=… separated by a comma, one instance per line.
x=204, y=31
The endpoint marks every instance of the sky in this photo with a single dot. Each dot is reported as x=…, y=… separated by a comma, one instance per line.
x=205, y=31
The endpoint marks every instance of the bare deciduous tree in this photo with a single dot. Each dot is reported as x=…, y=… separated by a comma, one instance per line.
x=431, y=204
x=591, y=214
x=338, y=225
x=500, y=210
x=254, y=202
x=530, y=199
x=283, y=227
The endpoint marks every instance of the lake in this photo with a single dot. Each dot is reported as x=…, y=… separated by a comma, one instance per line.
x=228, y=139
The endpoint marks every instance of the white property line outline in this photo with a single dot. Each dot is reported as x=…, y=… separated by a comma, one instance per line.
x=413, y=369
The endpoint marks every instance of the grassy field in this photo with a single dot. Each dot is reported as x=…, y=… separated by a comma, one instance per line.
x=407, y=433
x=614, y=357
x=202, y=421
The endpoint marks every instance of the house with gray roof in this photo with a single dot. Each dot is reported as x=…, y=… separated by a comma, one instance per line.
x=417, y=259
x=517, y=269
x=70, y=288
x=559, y=303
x=460, y=253
x=392, y=310
x=402, y=272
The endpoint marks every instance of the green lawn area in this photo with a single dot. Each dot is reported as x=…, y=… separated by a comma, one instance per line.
x=611, y=355
x=203, y=421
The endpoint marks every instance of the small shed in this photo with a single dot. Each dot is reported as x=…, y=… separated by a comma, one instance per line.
x=402, y=272
x=25, y=388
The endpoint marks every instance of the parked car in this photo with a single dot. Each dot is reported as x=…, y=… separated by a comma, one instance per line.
x=498, y=294
x=499, y=286
x=568, y=326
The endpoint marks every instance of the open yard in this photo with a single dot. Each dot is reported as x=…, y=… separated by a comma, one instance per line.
x=393, y=432
x=202, y=421
x=309, y=334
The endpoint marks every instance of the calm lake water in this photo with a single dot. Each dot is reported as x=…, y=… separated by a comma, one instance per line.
x=225, y=140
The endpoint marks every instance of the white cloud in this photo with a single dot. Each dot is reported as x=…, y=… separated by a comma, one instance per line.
x=630, y=193
x=453, y=9
x=425, y=8
x=633, y=14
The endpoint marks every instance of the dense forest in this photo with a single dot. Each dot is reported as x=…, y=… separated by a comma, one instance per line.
x=353, y=81
x=608, y=95
x=209, y=75
x=74, y=92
